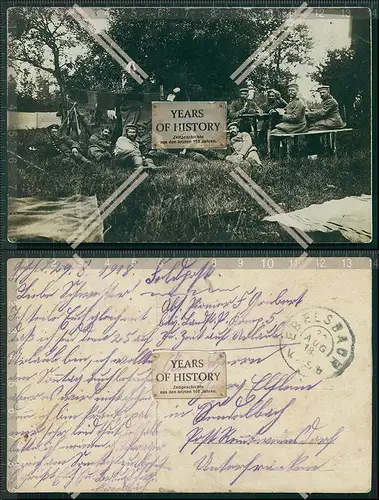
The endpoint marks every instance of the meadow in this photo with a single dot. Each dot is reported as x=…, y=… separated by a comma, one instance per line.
x=186, y=201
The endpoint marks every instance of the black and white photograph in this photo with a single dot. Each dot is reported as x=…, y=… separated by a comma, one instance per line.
x=189, y=125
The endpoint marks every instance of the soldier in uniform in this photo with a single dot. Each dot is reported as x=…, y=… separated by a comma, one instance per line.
x=242, y=146
x=241, y=106
x=273, y=101
x=100, y=145
x=127, y=149
x=328, y=116
x=292, y=117
x=63, y=146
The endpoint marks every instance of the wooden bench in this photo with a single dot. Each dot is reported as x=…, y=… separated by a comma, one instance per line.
x=331, y=136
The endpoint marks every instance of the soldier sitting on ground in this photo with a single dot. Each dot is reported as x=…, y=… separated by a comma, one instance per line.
x=242, y=146
x=100, y=146
x=328, y=116
x=63, y=146
x=202, y=155
x=127, y=150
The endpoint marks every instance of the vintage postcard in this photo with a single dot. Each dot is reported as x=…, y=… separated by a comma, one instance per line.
x=227, y=375
x=189, y=124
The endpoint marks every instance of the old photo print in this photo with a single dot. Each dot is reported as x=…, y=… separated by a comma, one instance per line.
x=262, y=135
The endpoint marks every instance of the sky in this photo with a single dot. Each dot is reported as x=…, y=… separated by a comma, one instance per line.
x=332, y=32
x=328, y=31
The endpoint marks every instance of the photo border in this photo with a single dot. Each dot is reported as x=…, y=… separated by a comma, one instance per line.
x=164, y=4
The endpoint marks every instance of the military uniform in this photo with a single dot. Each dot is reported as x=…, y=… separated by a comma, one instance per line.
x=241, y=106
x=278, y=102
x=327, y=117
x=99, y=148
x=274, y=119
x=293, y=121
x=63, y=146
x=129, y=152
x=242, y=145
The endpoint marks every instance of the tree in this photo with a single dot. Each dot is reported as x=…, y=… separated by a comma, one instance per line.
x=197, y=53
x=42, y=38
x=347, y=71
x=291, y=52
x=27, y=94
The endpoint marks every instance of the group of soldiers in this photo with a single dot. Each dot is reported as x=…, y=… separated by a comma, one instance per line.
x=283, y=118
x=126, y=151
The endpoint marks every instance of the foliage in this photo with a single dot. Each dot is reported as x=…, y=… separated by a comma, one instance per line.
x=29, y=95
x=42, y=38
x=197, y=53
x=346, y=71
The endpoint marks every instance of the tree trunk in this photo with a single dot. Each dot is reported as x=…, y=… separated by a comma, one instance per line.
x=60, y=81
x=63, y=97
x=277, y=76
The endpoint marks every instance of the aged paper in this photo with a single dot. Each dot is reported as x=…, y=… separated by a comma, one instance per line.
x=296, y=416
x=188, y=374
x=191, y=125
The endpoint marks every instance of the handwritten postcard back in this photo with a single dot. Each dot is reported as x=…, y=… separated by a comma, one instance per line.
x=189, y=376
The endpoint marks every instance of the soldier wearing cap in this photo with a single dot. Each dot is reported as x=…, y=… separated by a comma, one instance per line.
x=100, y=145
x=242, y=146
x=243, y=105
x=292, y=117
x=64, y=147
x=273, y=101
x=128, y=151
x=328, y=116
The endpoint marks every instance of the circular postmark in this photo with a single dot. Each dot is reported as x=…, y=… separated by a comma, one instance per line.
x=318, y=342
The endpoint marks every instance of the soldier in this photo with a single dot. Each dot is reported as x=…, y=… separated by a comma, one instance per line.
x=274, y=100
x=328, y=116
x=65, y=147
x=241, y=106
x=100, y=146
x=127, y=149
x=242, y=146
x=292, y=117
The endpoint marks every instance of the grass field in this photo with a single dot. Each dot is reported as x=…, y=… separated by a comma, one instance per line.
x=185, y=201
